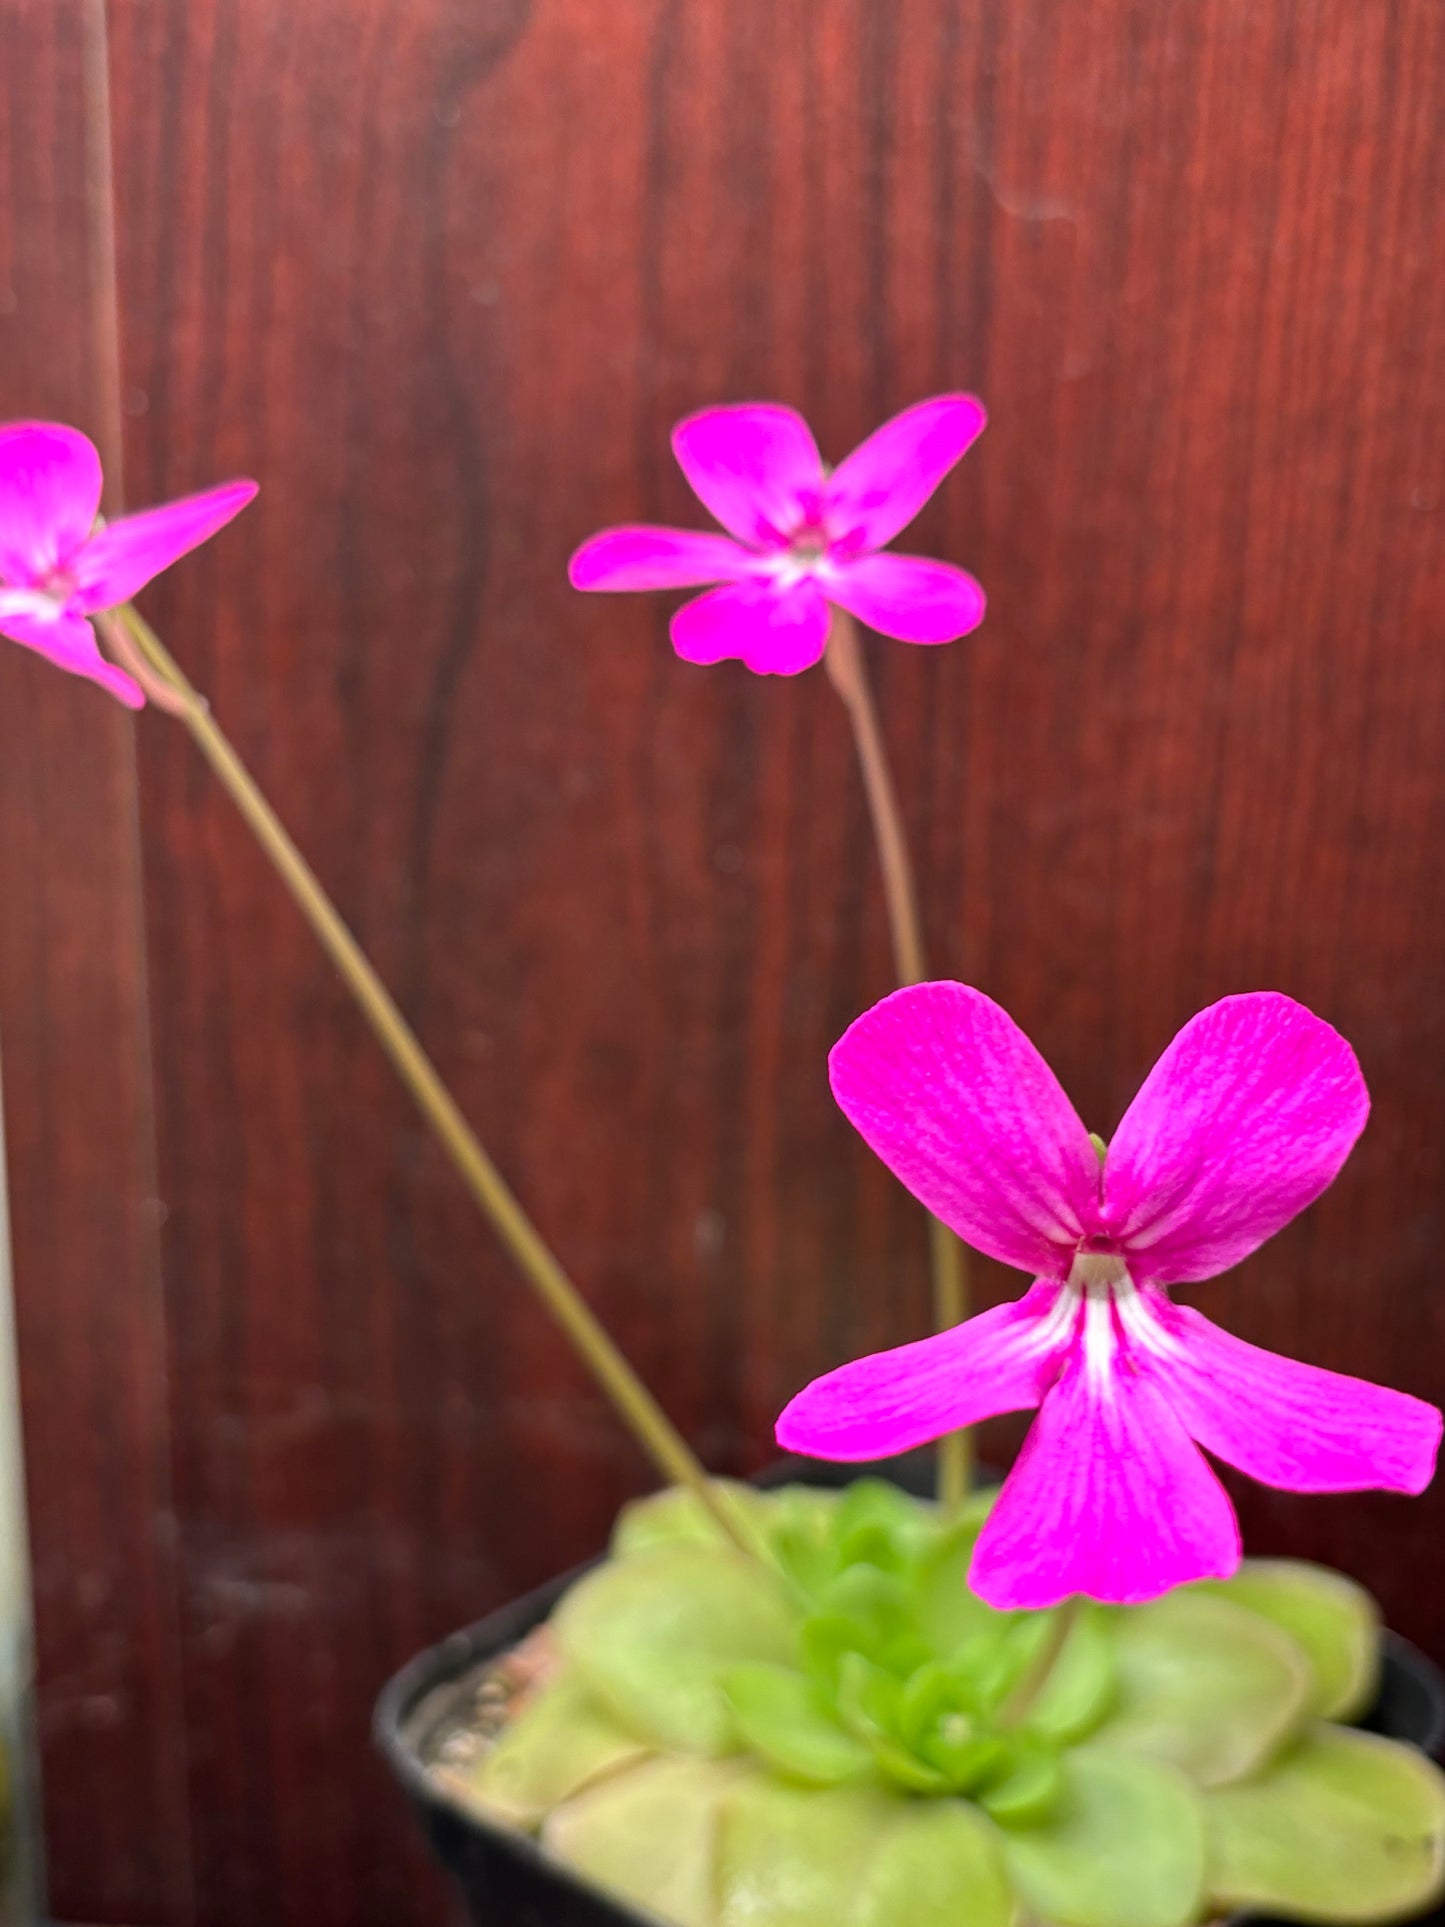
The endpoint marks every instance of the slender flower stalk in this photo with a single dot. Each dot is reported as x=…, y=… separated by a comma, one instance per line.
x=804, y=554
x=64, y=576
x=1040, y=1669
x=948, y=1256
x=137, y=644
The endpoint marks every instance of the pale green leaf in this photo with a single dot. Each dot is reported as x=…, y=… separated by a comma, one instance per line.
x=1082, y=1684
x=1345, y=1827
x=1335, y=1621
x=949, y=1614
x=676, y=1516
x=653, y=1635
x=1205, y=1685
x=880, y=1523
x=648, y=1835
x=795, y=1857
x=778, y=1714
x=938, y=1864
x=1029, y=1792
x=560, y=1743
x=856, y=1857
x=1123, y=1847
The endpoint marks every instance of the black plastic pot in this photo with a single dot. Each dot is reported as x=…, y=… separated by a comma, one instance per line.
x=508, y=1881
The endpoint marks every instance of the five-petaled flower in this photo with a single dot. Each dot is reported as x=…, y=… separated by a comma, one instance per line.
x=1243, y=1122
x=805, y=537
x=57, y=569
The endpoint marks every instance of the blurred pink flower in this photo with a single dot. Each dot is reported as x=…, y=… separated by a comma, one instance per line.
x=805, y=537
x=57, y=569
x=1245, y=1120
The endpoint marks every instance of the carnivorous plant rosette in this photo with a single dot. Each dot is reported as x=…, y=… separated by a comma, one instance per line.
x=867, y=1742
x=799, y=536
x=910, y=1715
x=1244, y=1121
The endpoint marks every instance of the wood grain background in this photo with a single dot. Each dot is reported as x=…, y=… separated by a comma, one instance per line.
x=441, y=273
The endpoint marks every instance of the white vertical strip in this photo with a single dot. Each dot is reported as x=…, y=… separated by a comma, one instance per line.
x=24, y=1878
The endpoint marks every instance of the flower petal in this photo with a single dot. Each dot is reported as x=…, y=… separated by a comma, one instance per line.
x=1109, y=1498
x=774, y=631
x=651, y=558
x=1001, y=1361
x=907, y=596
x=755, y=467
x=124, y=556
x=946, y=1088
x=1245, y=1120
x=886, y=480
x=49, y=492
x=69, y=642
x=1287, y=1424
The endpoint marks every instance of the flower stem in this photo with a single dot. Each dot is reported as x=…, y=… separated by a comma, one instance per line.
x=948, y=1257
x=132, y=638
x=1035, y=1676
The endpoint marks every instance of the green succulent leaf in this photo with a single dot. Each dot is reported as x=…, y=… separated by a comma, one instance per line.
x=825, y=1642
x=1028, y=1793
x=1334, y=1621
x=677, y=1516
x=878, y=1523
x=781, y=1715
x=874, y=1599
x=800, y=1533
x=1082, y=1684
x=966, y=1762
x=857, y=1858
x=949, y=1615
x=1205, y=1685
x=864, y=1610
x=869, y=1700
x=648, y=1834
x=793, y=1858
x=654, y=1635
x=938, y=1865
x=1345, y=1827
x=930, y=1695
x=1123, y=1847
x=560, y=1743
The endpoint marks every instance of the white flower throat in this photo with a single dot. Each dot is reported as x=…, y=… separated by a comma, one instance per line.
x=1100, y=1306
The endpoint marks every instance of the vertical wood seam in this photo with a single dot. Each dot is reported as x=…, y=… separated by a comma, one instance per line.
x=105, y=333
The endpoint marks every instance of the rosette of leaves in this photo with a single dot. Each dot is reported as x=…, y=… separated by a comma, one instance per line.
x=859, y=1741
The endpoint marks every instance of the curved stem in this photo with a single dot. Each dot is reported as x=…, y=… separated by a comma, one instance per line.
x=947, y=1255
x=1035, y=1677
x=634, y=1403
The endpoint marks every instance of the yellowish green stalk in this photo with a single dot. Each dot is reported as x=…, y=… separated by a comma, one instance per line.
x=1036, y=1674
x=140, y=650
x=948, y=1257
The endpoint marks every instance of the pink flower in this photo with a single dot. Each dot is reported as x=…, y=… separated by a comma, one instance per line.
x=1245, y=1120
x=805, y=537
x=57, y=569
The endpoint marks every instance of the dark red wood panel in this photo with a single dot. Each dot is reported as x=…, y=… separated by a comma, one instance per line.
x=78, y=1103
x=441, y=274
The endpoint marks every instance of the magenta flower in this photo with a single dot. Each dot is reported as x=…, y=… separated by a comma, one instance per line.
x=805, y=537
x=57, y=569
x=1245, y=1120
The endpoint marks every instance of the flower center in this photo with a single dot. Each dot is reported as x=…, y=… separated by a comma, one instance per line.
x=808, y=547
x=1099, y=1281
x=1099, y=1274
x=807, y=551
